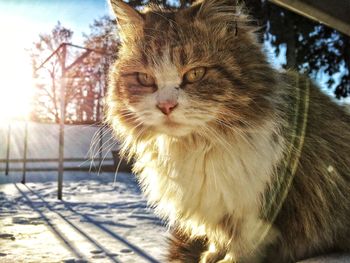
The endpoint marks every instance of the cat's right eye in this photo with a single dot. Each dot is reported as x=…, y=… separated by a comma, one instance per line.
x=145, y=79
x=195, y=74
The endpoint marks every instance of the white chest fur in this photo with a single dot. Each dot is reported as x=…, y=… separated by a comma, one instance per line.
x=196, y=182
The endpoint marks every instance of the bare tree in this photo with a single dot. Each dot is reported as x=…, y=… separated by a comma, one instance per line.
x=47, y=91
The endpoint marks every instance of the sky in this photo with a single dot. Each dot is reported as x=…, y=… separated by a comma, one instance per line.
x=32, y=17
x=21, y=22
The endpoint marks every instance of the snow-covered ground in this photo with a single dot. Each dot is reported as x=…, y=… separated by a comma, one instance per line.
x=96, y=222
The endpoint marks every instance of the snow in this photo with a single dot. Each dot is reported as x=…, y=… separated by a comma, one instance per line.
x=96, y=222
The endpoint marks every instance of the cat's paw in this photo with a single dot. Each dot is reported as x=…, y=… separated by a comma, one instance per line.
x=212, y=255
x=227, y=259
x=209, y=257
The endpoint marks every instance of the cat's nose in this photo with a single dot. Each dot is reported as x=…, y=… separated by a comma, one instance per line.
x=167, y=106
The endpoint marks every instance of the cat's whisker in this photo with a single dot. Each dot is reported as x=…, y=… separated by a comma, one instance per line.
x=100, y=150
x=117, y=171
x=94, y=144
x=96, y=138
x=98, y=134
x=129, y=116
x=104, y=157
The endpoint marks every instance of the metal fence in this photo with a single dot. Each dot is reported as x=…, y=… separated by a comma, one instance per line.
x=34, y=147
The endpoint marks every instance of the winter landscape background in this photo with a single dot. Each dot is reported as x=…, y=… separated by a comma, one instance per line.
x=99, y=220
x=102, y=217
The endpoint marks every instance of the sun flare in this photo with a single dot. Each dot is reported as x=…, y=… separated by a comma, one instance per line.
x=16, y=83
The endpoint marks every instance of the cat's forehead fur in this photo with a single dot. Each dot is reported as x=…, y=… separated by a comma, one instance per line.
x=188, y=35
x=170, y=42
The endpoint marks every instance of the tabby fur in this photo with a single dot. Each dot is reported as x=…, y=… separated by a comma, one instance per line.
x=253, y=163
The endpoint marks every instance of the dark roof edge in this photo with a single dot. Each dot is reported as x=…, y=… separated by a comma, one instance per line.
x=314, y=13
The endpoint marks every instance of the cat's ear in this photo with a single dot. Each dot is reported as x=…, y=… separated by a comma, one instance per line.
x=127, y=17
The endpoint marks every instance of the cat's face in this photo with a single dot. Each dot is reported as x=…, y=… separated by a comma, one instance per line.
x=182, y=72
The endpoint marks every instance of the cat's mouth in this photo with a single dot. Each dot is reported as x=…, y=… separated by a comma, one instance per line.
x=172, y=127
x=170, y=123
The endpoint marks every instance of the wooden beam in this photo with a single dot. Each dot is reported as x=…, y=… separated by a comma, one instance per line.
x=334, y=14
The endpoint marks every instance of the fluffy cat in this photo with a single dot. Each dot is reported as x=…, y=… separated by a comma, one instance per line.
x=246, y=163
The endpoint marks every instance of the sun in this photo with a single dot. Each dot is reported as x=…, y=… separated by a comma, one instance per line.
x=16, y=83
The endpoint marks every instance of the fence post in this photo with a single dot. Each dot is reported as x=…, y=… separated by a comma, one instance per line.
x=25, y=147
x=64, y=69
x=8, y=149
x=62, y=119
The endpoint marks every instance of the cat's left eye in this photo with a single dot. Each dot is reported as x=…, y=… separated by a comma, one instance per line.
x=145, y=79
x=195, y=74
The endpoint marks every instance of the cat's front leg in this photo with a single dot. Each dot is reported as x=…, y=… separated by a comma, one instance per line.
x=212, y=255
x=215, y=257
x=229, y=258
